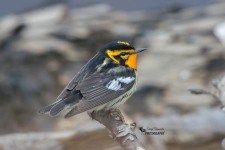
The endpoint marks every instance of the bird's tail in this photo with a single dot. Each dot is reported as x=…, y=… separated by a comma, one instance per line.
x=68, y=101
x=53, y=109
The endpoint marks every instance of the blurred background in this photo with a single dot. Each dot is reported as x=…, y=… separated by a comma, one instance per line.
x=43, y=44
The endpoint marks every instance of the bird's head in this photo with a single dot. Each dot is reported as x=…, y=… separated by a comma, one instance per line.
x=122, y=53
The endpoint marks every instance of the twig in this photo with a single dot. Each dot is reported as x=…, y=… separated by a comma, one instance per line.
x=218, y=94
x=114, y=121
x=198, y=91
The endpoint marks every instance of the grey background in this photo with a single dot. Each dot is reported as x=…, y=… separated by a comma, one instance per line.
x=17, y=6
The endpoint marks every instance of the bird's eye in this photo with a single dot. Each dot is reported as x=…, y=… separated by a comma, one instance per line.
x=123, y=54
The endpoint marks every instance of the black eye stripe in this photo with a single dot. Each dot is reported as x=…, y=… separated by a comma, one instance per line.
x=123, y=54
x=121, y=60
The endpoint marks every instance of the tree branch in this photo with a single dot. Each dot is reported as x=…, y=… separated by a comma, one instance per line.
x=218, y=94
x=114, y=121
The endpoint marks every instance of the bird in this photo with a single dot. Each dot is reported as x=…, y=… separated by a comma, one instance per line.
x=105, y=82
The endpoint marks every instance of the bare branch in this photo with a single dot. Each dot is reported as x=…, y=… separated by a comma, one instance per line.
x=198, y=91
x=218, y=94
x=114, y=121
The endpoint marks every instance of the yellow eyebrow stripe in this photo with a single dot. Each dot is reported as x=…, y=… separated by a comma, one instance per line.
x=113, y=53
x=131, y=59
x=124, y=43
x=117, y=52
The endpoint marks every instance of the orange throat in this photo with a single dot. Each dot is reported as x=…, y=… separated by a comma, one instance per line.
x=132, y=61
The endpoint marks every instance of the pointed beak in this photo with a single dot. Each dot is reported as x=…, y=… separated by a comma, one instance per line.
x=138, y=50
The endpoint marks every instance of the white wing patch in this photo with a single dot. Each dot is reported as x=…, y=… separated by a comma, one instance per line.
x=126, y=80
x=115, y=84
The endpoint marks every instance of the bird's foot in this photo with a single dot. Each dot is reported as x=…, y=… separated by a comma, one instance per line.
x=116, y=114
x=91, y=114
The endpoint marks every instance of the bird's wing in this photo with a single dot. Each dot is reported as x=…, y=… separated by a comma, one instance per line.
x=67, y=96
x=99, y=89
x=72, y=84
